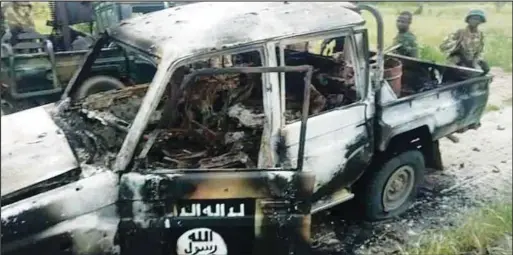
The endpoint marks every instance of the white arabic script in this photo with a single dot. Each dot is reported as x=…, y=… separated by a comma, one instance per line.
x=201, y=241
x=218, y=211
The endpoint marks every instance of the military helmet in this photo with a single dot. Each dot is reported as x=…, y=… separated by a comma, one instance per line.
x=478, y=13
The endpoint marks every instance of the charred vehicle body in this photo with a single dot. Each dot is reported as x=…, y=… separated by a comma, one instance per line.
x=36, y=68
x=236, y=141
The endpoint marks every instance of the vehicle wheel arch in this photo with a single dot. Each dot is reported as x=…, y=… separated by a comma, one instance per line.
x=93, y=83
x=110, y=72
x=401, y=142
x=419, y=138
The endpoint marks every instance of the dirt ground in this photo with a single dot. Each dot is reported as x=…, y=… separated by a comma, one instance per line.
x=477, y=169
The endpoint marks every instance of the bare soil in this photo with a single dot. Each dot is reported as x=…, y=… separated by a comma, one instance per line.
x=478, y=169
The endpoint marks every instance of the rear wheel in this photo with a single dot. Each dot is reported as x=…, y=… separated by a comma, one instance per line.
x=390, y=191
x=97, y=84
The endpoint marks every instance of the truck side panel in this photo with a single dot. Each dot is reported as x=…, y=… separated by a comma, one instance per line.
x=78, y=218
x=443, y=111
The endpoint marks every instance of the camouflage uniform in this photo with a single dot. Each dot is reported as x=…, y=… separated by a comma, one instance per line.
x=408, y=43
x=18, y=16
x=464, y=47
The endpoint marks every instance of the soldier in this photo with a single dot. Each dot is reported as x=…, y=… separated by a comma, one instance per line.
x=18, y=16
x=404, y=37
x=465, y=46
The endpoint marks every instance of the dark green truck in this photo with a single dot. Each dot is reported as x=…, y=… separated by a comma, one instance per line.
x=37, y=68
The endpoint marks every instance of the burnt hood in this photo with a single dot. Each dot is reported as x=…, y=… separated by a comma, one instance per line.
x=35, y=152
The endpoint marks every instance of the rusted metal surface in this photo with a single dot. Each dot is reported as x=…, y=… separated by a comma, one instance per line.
x=393, y=74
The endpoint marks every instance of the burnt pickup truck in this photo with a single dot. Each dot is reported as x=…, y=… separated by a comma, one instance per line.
x=237, y=140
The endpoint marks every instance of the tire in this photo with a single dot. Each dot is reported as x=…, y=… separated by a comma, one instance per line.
x=372, y=197
x=97, y=84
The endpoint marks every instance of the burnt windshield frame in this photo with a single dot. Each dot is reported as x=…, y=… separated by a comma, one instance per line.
x=306, y=69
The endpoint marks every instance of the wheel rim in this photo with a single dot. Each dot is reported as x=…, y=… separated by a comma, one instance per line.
x=99, y=88
x=398, y=188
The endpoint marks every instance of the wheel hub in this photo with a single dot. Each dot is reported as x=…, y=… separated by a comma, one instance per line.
x=398, y=188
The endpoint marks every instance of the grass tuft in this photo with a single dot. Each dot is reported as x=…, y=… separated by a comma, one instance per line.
x=492, y=108
x=477, y=235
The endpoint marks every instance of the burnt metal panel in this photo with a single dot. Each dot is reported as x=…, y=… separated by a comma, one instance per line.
x=231, y=24
x=276, y=217
x=33, y=155
x=79, y=218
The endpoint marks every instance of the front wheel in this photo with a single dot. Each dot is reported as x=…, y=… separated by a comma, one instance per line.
x=390, y=191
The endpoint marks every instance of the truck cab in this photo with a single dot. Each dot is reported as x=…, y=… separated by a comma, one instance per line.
x=237, y=139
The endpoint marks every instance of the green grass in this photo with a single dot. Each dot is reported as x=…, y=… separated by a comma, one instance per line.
x=492, y=108
x=440, y=19
x=478, y=234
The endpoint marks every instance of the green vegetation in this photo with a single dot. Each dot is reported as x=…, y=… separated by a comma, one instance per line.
x=431, y=26
x=492, y=108
x=478, y=234
x=439, y=19
x=42, y=14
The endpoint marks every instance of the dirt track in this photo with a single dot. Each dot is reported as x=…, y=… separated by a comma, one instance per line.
x=477, y=169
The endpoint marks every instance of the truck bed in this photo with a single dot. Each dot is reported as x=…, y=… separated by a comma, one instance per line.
x=455, y=104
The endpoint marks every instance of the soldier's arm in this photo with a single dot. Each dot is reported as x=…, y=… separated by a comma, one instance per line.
x=480, y=50
x=413, y=47
x=450, y=43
